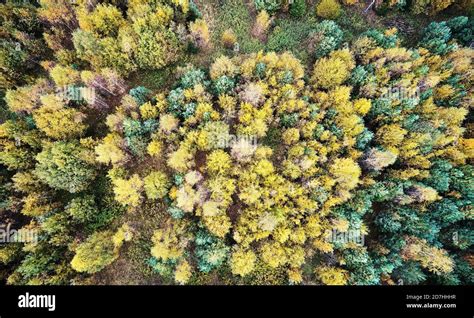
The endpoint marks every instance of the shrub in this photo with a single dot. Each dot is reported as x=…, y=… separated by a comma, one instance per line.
x=330, y=72
x=328, y=9
x=228, y=39
x=325, y=38
x=261, y=25
x=298, y=8
x=199, y=32
x=223, y=85
x=270, y=6
x=430, y=6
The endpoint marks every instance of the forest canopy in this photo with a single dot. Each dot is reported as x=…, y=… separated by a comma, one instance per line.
x=161, y=142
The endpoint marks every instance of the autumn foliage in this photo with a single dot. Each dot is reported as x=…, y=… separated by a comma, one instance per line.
x=352, y=167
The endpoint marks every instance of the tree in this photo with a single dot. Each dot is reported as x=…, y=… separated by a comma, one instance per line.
x=391, y=135
x=199, y=33
x=261, y=25
x=376, y=159
x=156, y=185
x=211, y=252
x=58, y=121
x=242, y=150
x=110, y=151
x=330, y=72
x=137, y=36
x=271, y=6
x=104, y=21
x=436, y=37
x=218, y=162
x=168, y=123
x=169, y=243
x=346, y=172
x=128, y=192
x=430, y=7
x=325, y=38
x=228, y=39
x=65, y=166
x=298, y=8
x=9, y=252
x=291, y=136
x=223, y=66
x=242, y=262
x=273, y=254
x=432, y=258
x=97, y=252
x=18, y=143
x=22, y=46
x=37, y=204
x=61, y=19
x=157, y=48
x=83, y=209
x=26, y=98
x=183, y=272
x=64, y=75
x=328, y=9
x=332, y=275
x=180, y=159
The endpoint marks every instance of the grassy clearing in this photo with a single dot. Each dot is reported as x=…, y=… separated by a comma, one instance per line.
x=290, y=34
x=238, y=16
x=154, y=80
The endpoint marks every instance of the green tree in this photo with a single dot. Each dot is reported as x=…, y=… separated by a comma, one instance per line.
x=65, y=166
